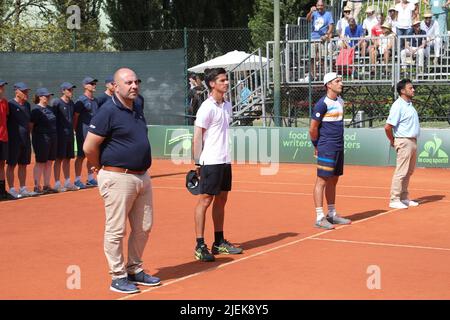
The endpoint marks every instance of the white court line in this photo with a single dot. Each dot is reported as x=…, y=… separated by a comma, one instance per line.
x=248, y=257
x=293, y=193
x=382, y=244
x=312, y=184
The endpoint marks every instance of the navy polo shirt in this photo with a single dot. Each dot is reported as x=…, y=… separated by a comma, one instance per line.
x=44, y=120
x=19, y=121
x=64, y=116
x=126, y=144
x=87, y=109
x=101, y=99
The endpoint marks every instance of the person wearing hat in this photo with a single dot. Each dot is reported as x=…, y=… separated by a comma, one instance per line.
x=343, y=22
x=109, y=84
x=43, y=132
x=392, y=18
x=118, y=148
x=434, y=40
x=19, y=142
x=370, y=21
x=384, y=45
x=415, y=47
x=355, y=6
x=327, y=136
x=85, y=108
x=212, y=158
x=64, y=111
x=3, y=140
x=402, y=130
x=439, y=10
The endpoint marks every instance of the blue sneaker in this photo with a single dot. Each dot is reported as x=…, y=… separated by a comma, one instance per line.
x=91, y=183
x=144, y=279
x=122, y=285
x=80, y=184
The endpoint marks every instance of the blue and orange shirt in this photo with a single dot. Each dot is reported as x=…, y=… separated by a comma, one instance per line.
x=330, y=114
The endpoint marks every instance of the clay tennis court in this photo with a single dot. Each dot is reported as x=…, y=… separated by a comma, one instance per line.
x=271, y=217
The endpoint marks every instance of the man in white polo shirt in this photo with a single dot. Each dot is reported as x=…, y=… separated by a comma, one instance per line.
x=212, y=158
x=402, y=129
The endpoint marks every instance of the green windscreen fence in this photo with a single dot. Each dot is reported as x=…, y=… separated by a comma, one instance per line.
x=161, y=71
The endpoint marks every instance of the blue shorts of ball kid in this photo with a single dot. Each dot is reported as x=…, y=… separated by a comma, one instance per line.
x=330, y=163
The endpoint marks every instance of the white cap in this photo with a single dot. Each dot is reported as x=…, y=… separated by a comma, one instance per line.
x=330, y=77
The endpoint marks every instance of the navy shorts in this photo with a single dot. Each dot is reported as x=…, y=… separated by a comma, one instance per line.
x=330, y=163
x=19, y=152
x=44, y=146
x=3, y=151
x=65, y=149
x=215, y=178
x=80, y=142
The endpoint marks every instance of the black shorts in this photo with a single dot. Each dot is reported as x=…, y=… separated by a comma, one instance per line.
x=44, y=146
x=65, y=149
x=215, y=178
x=19, y=152
x=330, y=163
x=80, y=142
x=3, y=151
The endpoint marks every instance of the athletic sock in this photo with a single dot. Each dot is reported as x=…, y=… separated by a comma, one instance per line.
x=218, y=237
x=67, y=182
x=200, y=242
x=57, y=184
x=90, y=176
x=331, y=210
x=319, y=213
x=77, y=179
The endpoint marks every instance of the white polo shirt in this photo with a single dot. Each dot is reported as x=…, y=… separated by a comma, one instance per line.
x=215, y=118
x=404, y=15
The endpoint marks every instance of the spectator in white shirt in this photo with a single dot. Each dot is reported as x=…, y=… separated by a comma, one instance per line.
x=405, y=11
x=433, y=37
x=371, y=20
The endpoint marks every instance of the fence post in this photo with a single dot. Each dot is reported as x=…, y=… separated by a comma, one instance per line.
x=186, y=100
x=276, y=61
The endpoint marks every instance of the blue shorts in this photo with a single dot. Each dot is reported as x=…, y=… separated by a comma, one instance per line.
x=330, y=163
x=80, y=141
x=65, y=148
x=44, y=146
x=19, y=151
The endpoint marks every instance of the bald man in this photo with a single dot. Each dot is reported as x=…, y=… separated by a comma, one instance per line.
x=117, y=131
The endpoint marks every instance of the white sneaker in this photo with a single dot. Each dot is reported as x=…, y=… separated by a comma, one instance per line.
x=14, y=194
x=397, y=205
x=410, y=203
x=71, y=187
x=59, y=188
x=25, y=193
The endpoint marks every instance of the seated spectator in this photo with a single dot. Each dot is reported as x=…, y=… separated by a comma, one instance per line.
x=354, y=37
x=195, y=97
x=392, y=18
x=245, y=94
x=384, y=46
x=434, y=40
x=439, y=9
x=414, y=47
x=377, y=30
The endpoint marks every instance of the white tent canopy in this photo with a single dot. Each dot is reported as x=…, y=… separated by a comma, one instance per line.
x=230, y=61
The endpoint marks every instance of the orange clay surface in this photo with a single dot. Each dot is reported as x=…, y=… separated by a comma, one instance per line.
x=271, y=217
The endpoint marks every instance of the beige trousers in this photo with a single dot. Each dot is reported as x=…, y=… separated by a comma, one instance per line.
x=406, y=149
x=126, y=195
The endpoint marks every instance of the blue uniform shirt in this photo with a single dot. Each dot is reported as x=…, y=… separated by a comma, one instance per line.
x=64, y=116
x=44, y=120
x=331, y=130
x=101, y=99
x=404, y=119
x=87, y=109
x=126, y=144
x=320, y=24
x=19, y=121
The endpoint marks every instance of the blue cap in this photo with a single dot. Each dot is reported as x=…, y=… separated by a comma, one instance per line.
x=43, y=92
x=88, y=80
x=3, y=82
x=20, y=86
x=109, y=79
x=67, y=85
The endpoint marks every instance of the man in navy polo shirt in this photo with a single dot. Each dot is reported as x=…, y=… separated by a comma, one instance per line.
x=117, y=146
x=85, y=108
x=327, y=136
x=105, y=96
x=19, y=144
